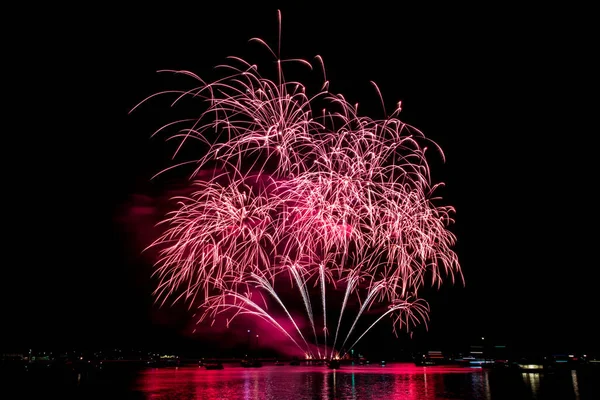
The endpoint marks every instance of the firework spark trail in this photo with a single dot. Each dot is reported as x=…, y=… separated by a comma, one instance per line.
x=295, y=270
x=332, y=197
x=350, y=286
x=366, y=304
x=263, y=283
x=405, y=306
x=322, y=280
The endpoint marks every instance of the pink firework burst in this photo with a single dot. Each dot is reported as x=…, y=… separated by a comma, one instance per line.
x=332, y=207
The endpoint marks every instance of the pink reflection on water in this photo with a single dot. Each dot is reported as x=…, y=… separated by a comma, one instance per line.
x=394, y=381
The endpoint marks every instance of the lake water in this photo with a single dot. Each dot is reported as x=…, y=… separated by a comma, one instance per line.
x=394, y=381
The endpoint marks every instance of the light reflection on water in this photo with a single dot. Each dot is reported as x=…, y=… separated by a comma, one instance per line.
x=575, y=384
x=394, y=381
x=532, y=379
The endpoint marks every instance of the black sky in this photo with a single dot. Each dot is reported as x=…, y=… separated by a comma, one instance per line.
x=506, y=93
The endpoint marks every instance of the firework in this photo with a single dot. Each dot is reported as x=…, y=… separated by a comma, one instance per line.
x=306, y=202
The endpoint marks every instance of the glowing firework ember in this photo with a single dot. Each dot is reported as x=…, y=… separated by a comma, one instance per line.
x=330, y=206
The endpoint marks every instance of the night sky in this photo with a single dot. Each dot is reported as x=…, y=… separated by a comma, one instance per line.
x=506, y=93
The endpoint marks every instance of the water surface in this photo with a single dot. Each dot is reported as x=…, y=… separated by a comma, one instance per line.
x=393, y=381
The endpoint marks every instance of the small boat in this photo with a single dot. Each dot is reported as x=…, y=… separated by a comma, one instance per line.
x=251, y=363
x=534, y=364
x=474, y=362
x=163, y=361
x=535, y=367
x=432, y=357
x=216, y=365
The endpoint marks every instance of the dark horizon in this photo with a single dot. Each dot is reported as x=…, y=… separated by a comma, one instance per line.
x=504, y=95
